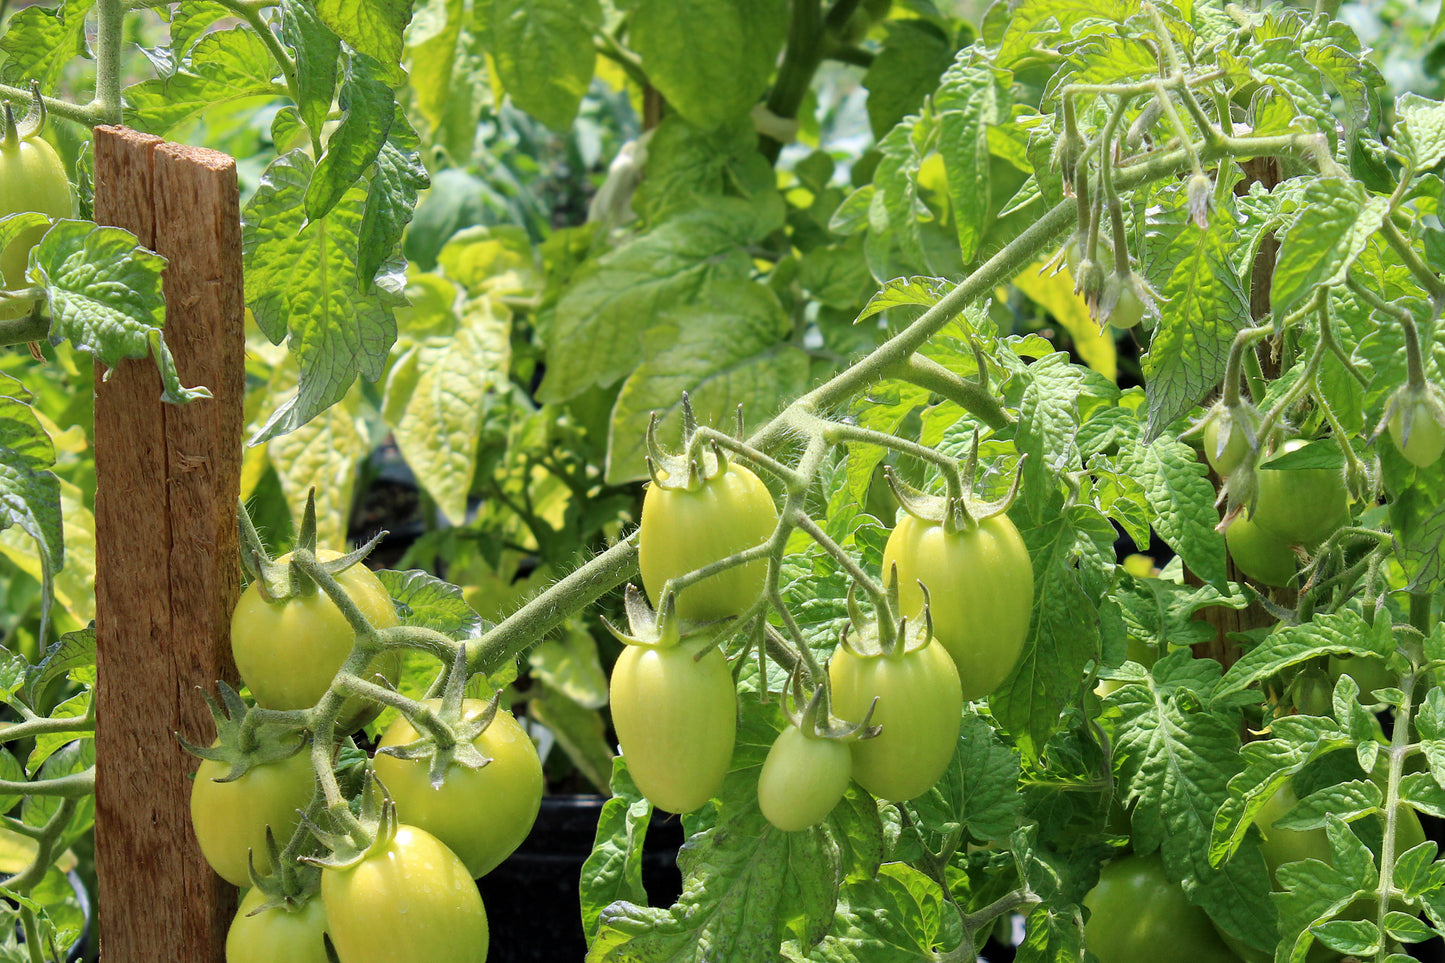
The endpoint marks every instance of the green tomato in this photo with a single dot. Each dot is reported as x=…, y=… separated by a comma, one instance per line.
x=1137, y=651
x=1369, y=673
x=981, y=583
x=1260, y=555
x=288, y=651
x=1427, y=438
x=230, y=818
x=919, y=709
x=1128, y=309
x=411, y=899
x=682, y=531
x=508, y=790
x=676, y=720
x=1302, y=506
x=1224, y=442
x=1281, y=846
x=803, y=778
x=32, y=178
x=277, y=935
x=1136, y=912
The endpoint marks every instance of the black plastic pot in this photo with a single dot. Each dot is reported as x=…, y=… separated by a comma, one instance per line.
x=537, y=886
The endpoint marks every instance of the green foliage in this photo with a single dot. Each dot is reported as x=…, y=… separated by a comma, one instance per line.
x=492, y=240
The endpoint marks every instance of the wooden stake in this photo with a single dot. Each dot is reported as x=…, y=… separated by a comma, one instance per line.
x=167, y=575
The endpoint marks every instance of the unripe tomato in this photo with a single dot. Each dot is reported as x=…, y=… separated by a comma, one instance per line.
x=277, y=935
x=411, y=899
x=1260, y=555
x=1369, y=674
x=1128, y=309
x=230, y=818
x=684, y=530
x=288, y=651
x=676, y=719
x=919, y=709
x=32, y=178
x=1224, y=442
x=1280, y=845
x=981, y=584
x=1302, y=506
x=1138, y=651
x=1427, y=438
x=482, y=815
x=1136, y=910
x=803, y=778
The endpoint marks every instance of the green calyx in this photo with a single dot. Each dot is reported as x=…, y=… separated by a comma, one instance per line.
x=880, y=636
x=16, y=131
x=291, y=884
x=280, y=580
x=658, y=630
x=450, y=718
x=812, y=715
x=695, y=464
x=955, y=512
x=373, y=829
x=1231, y=435
x=241, y=745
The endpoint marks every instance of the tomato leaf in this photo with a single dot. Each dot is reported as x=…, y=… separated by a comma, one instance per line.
x=1326, y=237
x=1419, y=135
x=29, y=490
x=1174, y=758
x=224, y=66
x=1337, y=633
x=105, y=297
x=1202, y=306
x=915, y=53
x=318, y=55
x=306, y=283
x=368, y=108
x=372, y=27
x=688, y=264
x=729, y=353
x=544, y=54
x=711, y=59
x=613, y=870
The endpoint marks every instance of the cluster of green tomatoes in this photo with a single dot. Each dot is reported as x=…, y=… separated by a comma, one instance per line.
x=406, y=889
x=888, y=712
x=1301, y=506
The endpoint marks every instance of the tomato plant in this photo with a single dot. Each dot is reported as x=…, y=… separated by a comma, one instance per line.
x=280, y=934
x=408, y=898
x=687, y=526
x=230, y=818
x=508, y=789
x=981, y=591
x=1135, y=909
x=828, y=226
x=288, y=650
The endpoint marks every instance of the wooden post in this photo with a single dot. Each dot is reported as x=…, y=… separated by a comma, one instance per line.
x=167, y=576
